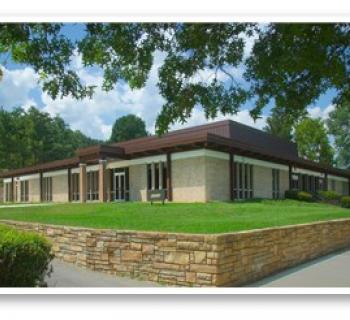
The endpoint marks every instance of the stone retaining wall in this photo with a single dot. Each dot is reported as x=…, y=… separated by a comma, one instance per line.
x=194, y=260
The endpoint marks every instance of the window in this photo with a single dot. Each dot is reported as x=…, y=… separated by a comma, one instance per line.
x=275, y=184
x=25, y=191
x=156, y=178
x=47, y=189
x=92, y=185
x=8, y=191
x=243, y=188
x=345, y=188
x=75, y=196
x=295, y=181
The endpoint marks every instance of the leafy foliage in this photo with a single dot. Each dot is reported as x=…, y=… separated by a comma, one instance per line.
x=312, y=140
x=298, y=195
x=329, y=195
x=345, y=202
x=24, y=258
x=281, y=124
x=290, y=65
x=339, y=126
x=31, y=137
x=128, y=127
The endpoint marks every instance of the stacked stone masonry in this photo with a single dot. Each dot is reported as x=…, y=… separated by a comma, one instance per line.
x=232, y=259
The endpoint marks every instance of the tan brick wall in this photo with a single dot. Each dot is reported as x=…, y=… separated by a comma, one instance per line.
x=194, y=260
x=34, y=190
x=138, y=182
x=338, y=186
x=188, y=179
x=217, y=179
x=262, y=182
x=60, y=188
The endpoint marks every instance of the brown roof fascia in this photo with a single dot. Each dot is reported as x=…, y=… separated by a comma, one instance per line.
x=47, y=166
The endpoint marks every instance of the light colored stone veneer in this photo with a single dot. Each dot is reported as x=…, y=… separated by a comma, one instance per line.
x=60, y=188
x=34, y=190
x=262, y=182
x=230, y=259
x=217, y=179
x=138, y=182
x=188, y=179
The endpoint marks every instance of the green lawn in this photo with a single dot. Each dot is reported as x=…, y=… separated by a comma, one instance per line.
x=215, y=217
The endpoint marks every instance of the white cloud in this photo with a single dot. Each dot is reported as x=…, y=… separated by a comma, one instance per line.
x=317, y=112
x=15, y=87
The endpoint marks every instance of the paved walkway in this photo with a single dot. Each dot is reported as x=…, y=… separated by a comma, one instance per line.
x=330, y=271
x=69, y=275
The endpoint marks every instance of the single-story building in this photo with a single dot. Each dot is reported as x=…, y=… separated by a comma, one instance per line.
x=223, y=161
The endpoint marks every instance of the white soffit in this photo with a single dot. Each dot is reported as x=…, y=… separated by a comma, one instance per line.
x=127, y=163
x=260, y=163
x=200, y=153
x=342, y=179
x=92, y=168
x=55, y=173
x=308, y=172
x=29, y=177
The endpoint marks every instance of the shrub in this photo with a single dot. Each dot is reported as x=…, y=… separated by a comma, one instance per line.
x=305, y=196
x=24, y=258
x=298, y=195
x=329, y=195
x=345, y=202
x=291, y=194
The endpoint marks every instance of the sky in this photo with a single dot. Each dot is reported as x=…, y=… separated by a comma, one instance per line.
x=95, y=117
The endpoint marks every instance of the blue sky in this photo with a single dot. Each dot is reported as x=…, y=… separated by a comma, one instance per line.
x=95, y=117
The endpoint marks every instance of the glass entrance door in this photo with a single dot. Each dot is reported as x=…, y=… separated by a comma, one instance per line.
x=119, y=186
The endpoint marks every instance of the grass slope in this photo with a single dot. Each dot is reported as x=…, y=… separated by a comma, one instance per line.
x=215, y=217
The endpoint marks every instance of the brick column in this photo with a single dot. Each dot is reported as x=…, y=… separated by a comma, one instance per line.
x=82, y=182
x=102, y=181
x=169, y=184
x=153, y=176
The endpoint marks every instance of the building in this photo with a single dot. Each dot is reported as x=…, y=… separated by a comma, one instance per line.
x=222, y=161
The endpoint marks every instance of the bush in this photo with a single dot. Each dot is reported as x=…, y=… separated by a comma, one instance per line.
x=298, y=195
x=291, y=194
x=305, y=196
x=329, y=195
x=345, y=202
x=24, y=258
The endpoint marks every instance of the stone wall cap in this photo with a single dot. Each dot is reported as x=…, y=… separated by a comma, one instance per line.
x=148, y=233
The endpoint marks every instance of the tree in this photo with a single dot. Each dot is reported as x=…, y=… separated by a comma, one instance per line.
x=339, y=126
x=290, y=64
x=281, y=124
x=312, y=140
x=31, y=137
x=128, y=127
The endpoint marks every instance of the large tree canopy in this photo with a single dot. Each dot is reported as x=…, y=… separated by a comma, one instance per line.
x=290, y=65
x=31, y=137
x=312, y=140
x=339, y=126
x=128, y=127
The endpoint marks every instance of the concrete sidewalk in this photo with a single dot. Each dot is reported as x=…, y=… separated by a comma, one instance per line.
x=69, y=275
x=329, y=271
